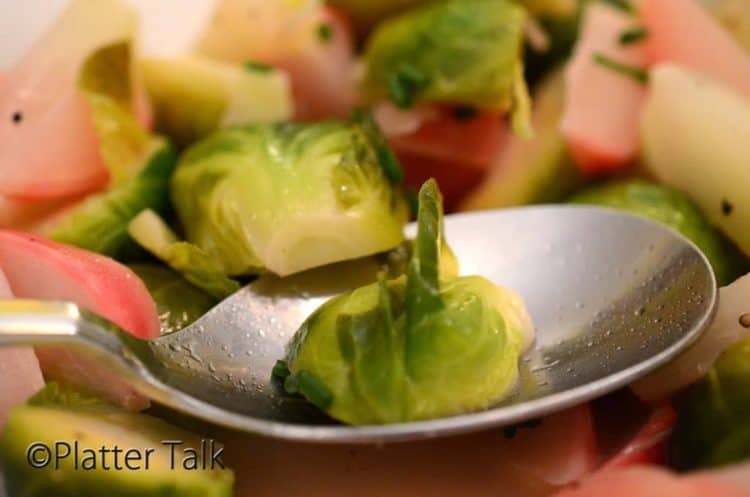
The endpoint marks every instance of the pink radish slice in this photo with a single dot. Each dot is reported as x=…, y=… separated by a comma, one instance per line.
x=487, y=464
x=602, y=107
x=649, y=445
x=645, y=481
x=20, y=376
x=48, y=144
x=683, y=33
x=41, y=269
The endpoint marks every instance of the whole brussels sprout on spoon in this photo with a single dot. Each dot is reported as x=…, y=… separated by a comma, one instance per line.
x=423, y=345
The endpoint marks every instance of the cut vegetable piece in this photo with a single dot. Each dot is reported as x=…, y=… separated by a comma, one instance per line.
x=379, y=354
x=649, y=445
x=31, y=215
x=145, y=465
x=179, y=302
x=674, y=209
x=194, y=96
x=20, y=376
x=725, y=330
x=602, y=106
x=197, y=266
x=561, y=450
x=701, y=148
x=532, y=170
x=651, y=482
x=683, y=33
x=289, y=197
x=460, y=52
x=100, y=223
x=487, y=466
x=288, y=35
x=95, y=282
x=48, y=144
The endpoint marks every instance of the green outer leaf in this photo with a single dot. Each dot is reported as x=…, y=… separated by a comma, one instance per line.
x=179, y=303
x=674, y=209
x=61, y=394
x=106, y=80
x=423, y=282
x=197, y=266
x=100, y=223
x=465, y=51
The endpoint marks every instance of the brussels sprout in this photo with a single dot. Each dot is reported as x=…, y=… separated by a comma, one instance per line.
x=676, y=210
x=100, y=223
x=289, y=197
x=714, y=424
x=198, y=267
x=415, y=347
x=193, y=96
x=460, y=51
x=179, y=303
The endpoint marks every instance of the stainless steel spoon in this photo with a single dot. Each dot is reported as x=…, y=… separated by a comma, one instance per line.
x=612, y=297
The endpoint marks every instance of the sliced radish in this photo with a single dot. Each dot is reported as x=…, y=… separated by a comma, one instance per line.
x=649, y=444
x=20, y=376
x=487, y=464
x=309, y=40
x=48, y=144
x=40, y=269
x=647, y=481
x=602, y=106
x=682, y=32
x=725, y=330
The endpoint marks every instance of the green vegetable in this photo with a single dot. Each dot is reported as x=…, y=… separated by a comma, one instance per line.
x=106, y=80
x=288, y=197
x=637, y=73
x=100, y=223
x=420, y=346
x=62, y=394
x=194, y=96
x=635, y=35
x=198, y=267
x=536, y=170
x=92, y=427
x=178, y=302
x=674, y=209
x=459, y=51
x=714, y=416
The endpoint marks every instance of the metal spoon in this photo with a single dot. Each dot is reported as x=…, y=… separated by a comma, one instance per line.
x=612, y=297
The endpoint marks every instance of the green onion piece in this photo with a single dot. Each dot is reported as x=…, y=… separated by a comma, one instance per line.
x=311, y=387
x=280, y=370
x=324, y=32
x=252, y=65
x=634, y=35
x=637, y=73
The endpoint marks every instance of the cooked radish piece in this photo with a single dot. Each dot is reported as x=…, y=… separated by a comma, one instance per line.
x=527, y=462
x=683, y=33
x=602, y=105
x=648, y=481
x=725, y=330
x=309, y=40
x=40, y=269
x=20, y=376
x=48, y=144
x=649, y=445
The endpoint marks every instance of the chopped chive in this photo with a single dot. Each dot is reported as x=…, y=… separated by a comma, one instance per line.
x=633, y=35
x=324, y=32
x=413, y=76
x=17, y=117
x=400, y=93
x=311, y=387
x=464, y=112
x=637, y=73
x=280, y=370
x=621, y=4
x=255, y=66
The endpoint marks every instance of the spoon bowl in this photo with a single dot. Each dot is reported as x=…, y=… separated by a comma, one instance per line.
x=612, y=297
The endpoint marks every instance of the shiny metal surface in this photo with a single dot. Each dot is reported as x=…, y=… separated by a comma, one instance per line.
x=612, y=297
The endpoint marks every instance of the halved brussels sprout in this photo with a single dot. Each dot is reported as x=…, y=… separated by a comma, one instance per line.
x=420, y=346
x=460, y=51
x=289, y=197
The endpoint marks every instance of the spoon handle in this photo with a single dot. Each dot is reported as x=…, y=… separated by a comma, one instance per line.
x=38, y=322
